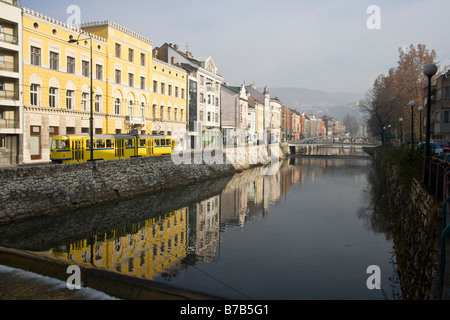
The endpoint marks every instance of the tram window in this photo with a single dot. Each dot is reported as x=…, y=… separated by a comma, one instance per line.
x=129, y=143
x=110, y=143
x=157, y=142
x=163, y=142
x=88, y=143
x=100, y=143
x=142, y=142
x=168, y=142
x=60, y=144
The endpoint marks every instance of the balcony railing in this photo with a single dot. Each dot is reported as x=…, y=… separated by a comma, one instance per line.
x=8, y=66
x=9, y=124
x=9, y=95
x=10, y=38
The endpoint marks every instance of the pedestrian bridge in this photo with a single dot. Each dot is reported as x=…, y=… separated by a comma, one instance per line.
x=332, y=146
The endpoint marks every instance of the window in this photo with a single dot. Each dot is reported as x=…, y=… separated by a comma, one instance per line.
x=143, y=83
x=182, y=93
x=447, y=92
x=142, y=110
x=99, y=72
x=70, y=130
x=155, y=86
x=169, y=113
x=163, y=88
x=52, y=97
x=118, y=48
x=85, y=68
x=35, y=56
x=34, y=95
x=54, y=60
x=69, y=99
x=209, y=116
x=130, y=55
x=175, y=114
x=446, y=116
x=154, y=112
x=131, y=79
x=118, y=75
x=143, y=59
x=162, y=113
x=117, y=106
x=130, y=107
x=201, y=115
x=98, y=103
x=176, y=92
x=2, y=85
x=71, y=65
x=84, y=101
x=182, y=114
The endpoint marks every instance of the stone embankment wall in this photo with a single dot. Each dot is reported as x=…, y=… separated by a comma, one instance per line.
x=415, y=227
x=38, y=190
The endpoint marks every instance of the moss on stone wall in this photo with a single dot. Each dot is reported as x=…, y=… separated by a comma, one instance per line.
x=414, y=215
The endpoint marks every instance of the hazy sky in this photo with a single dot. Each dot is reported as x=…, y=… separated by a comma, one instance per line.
x=322, y=45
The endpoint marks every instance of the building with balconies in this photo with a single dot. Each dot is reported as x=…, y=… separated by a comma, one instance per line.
x=440, y=108
x=11, y=102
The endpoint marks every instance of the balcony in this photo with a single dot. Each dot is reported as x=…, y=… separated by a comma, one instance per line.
x=9, y=124
x=134, y=121
x=9, y=94
x=8, y=66
x=8, y=38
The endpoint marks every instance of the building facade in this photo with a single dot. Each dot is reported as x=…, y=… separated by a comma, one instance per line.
x=440, y=109
x=56, y=83
x=203, y=82
x=11, y=74
x=234, y=109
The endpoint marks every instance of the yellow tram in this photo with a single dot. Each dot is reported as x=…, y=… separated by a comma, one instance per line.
x=76, y=148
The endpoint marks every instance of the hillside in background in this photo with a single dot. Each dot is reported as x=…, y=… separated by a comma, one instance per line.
x=319, y=103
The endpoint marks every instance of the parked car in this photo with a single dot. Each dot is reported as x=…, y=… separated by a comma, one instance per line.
x=445, y=145
x=436, y=149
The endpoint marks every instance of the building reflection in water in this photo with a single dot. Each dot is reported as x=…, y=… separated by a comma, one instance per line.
x=163, y=246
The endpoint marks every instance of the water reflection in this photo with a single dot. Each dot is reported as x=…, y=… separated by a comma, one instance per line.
x=170, y=235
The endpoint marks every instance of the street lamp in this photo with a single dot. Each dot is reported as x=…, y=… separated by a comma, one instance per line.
x=91, y=118
x=401, y=131
x=412, y=104
x=429, y=70
x=420, y=119
x=389, y=134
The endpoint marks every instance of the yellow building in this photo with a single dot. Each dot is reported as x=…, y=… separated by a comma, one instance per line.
x=129, y=57
x=133, y=92
x=168, y=99
x=56, y=83
x=149, y=93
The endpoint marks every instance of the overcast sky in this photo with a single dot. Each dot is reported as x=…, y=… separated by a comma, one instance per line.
x=322, y=45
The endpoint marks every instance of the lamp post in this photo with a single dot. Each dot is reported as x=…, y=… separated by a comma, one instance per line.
x=91, y=118
x=412, y=104
x=383, y=142
x=420, y=119
x=429, y=70
x=401, y=131
x=389, y=134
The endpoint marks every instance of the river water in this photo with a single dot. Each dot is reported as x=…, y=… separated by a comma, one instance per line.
x=309, y=231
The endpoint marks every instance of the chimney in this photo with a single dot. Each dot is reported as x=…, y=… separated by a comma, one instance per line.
x=189, y=54
x=176, y=47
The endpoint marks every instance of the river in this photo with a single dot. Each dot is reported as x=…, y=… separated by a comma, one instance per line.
x=313, y=230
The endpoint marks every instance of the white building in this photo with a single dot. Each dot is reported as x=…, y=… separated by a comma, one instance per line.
x=11, y=100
